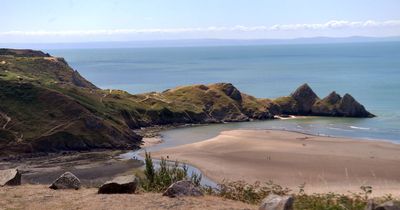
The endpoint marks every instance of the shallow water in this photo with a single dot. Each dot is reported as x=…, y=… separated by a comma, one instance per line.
x=369, y=71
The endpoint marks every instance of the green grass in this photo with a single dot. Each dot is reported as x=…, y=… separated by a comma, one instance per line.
x=158, y=180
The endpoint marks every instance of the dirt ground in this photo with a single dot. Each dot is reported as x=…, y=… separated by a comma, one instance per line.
x=38, y=197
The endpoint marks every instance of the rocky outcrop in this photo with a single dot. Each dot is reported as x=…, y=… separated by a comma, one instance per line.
x=10, y=177
x=230, y=91
x=66, y=181
x=305, y=98
x=276, y=202
x=183, y=188
x=120, y=185
x=305, y=102
x=335, y=105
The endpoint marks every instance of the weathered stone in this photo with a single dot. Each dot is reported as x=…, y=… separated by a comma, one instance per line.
x=10, y=177
x=349, y=107
x=182, y=188
x=332, y=98
x=389, y=205
x=119, y=185
x=276, y=202
x=231, y=91
x=370, y=205
x=305, y=98
x=66, y=181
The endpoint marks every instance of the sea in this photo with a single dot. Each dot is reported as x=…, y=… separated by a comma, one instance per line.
x=370, y=72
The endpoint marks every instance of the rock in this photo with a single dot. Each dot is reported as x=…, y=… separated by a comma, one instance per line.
x=349, y=107
x=332, y=98
x=305, y=98
x=10, y=177
x=334, y=105
x=389, y=205
x=370, y=205
x=119, y=185
x=66, y=181
x=276, y=202
x=231, y=91
x=182, y=188
x=328, y=106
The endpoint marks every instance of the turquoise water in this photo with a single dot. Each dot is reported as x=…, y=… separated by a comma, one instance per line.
x=369, y=71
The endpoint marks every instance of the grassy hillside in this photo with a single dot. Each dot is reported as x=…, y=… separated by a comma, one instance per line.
x=46, y=106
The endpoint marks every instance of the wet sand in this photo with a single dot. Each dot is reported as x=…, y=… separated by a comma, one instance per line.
x=92, y=168
x=325, y=164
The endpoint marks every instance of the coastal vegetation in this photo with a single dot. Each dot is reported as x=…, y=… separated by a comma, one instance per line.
x=46, y=106
x=158, y=180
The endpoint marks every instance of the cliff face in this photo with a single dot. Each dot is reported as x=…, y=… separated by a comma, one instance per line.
x=305, y=102
x=46, y=106
x=335, y=105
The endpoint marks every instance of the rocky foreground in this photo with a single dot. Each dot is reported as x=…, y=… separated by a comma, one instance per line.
x=46, y=106
x=122, y=193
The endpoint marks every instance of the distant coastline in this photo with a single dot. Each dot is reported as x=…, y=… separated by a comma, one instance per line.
x=199, y=43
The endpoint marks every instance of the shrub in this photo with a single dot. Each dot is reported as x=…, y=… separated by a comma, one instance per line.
x=248, y=193
x=159, y=180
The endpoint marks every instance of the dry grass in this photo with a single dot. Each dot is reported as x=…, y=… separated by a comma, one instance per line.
x=41, y=197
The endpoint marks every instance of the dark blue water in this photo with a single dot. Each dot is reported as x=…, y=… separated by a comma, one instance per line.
x=369, y=71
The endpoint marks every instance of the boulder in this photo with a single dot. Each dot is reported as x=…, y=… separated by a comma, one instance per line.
x=119, y=185
x=182, y=188
x=10, y=177
x=276, y=202
x=370, y=205
x=66, y=181
x=305, y=98
x=389, y=205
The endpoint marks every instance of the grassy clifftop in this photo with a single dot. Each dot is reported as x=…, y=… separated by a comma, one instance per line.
x=46, y=106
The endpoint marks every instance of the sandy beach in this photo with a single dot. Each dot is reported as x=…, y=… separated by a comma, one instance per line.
x=325, y=164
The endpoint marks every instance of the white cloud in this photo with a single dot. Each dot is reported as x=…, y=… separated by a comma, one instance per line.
x=337, y=24
x=334, y=24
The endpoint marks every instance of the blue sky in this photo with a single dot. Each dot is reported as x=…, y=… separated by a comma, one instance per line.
x=122, y=20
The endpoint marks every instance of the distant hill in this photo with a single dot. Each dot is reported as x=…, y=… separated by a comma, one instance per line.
x=200, y=42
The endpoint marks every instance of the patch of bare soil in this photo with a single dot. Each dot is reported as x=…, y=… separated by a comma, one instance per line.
x=38, y=197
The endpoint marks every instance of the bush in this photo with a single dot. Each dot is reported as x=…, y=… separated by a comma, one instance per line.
x=159, y=180
x=248, y=193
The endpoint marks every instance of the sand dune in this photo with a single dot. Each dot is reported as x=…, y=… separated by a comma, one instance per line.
x=325, y=164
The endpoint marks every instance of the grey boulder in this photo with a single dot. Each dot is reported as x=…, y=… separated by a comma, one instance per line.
x=389, y=205
x=66, y=181
x=10, y=177
x=276, y=202
x=183, y=188
x=119, y=185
